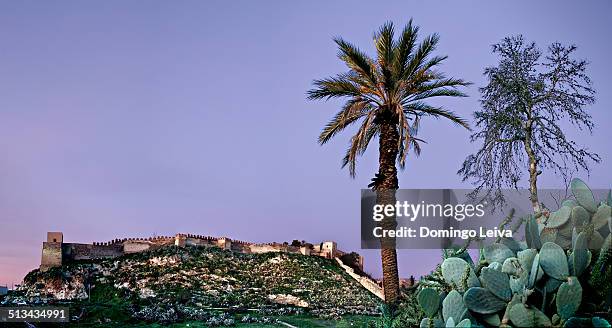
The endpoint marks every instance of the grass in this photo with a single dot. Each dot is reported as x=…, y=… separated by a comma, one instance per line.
x=298, y=321
x=310, y=322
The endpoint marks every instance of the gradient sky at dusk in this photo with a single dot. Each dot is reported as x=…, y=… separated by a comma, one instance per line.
x=129, y=119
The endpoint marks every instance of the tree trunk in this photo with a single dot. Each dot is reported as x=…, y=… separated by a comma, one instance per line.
x=385, y=194
x=533, y=169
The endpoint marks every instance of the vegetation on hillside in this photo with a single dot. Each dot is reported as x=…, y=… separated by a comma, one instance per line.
x=175, y=284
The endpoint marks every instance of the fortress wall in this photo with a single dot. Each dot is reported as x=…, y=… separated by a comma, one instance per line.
x=196, y=241
x=241, y=248
x=162, y=241
x=267, y=248
x=89, y=251
x=51, y=255
x=366, y=282
x=136, y=246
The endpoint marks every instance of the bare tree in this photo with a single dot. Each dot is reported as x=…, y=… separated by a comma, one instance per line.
x=526, y=105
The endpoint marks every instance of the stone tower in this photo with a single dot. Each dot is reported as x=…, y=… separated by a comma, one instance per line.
x=52, y=251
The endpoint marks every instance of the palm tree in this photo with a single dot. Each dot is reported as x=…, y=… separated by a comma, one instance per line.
x=387, y=96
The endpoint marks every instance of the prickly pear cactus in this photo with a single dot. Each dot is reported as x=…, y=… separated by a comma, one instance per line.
x=481, y=300
x=536, y=283
x=429, y=323
x=600, y=218
x=569, y=297
x=581, y=256
x=453, y=269
x=497, y=282
x=497, y=253
x=453, y=306
x=429, y=300
x=553, y=261
x=583, y=195
x=522, y=316
x=559, y=217
x=580, y=214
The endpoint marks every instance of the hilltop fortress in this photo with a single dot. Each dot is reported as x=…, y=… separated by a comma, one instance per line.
x=56, y=252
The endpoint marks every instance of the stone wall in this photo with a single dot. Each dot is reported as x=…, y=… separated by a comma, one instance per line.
x=137, y=246
x=267, y=248
x=51, y=255
x=55, y=237
x=75, y=252
x=366, y=282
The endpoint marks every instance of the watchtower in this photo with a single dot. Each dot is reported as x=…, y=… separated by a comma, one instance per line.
x=52, y=251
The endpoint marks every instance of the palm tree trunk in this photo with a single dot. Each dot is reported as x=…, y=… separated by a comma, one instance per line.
x=385, y=194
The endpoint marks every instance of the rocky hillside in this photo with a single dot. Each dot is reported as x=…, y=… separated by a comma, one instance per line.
x=180, y=284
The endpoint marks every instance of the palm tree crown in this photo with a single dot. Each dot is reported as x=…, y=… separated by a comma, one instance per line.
x=392, y=89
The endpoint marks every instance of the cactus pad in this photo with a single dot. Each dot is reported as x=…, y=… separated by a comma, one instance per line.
x=429, y=300
x=435, y=323
x=569, y=203
x=497, y=253
x=512, y=266
x=600, y=218
x=569, y=297
x=453, y=269
x=583, y=195
x=453, y=306
x=518, y=285
x=548, y=235
x=496, y=282
x=526, y=258
x=528, y=317
x=559, y=217
x=580, y=216
x=552, y=284
x=579, y=259
x=596, y=241
x=553, y=261
x=600, y=323
x=481, y=300
x=535, y=271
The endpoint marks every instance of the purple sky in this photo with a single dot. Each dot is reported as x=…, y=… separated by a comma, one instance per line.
x=128, y=119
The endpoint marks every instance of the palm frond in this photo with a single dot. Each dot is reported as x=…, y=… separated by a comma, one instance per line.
x=334, y=87
x=352, y=111
x=404, y=48
x=356, y=144
x=445, y=92
x=444, y=83
x=418, y=59
x=385, y=45
x=357, y=61
x=425, y=109
x=372, y=131
x=408, y=137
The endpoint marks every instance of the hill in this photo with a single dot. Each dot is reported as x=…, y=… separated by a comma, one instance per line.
x=181, y=284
